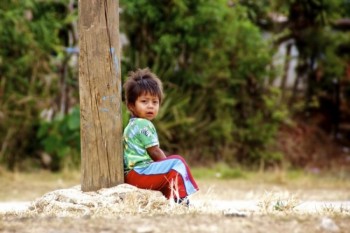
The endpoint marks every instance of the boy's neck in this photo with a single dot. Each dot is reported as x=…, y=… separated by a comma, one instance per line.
x=133, y=117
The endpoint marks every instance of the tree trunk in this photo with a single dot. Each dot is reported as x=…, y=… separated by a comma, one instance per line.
x=100, y=94
x=286, y=70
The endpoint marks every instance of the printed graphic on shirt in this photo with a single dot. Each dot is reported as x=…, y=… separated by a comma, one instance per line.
x=146, y=132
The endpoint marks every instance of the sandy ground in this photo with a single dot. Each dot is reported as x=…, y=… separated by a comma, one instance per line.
x=220, y=206
x=234, y=207
x=186, y=222
x=178, y=223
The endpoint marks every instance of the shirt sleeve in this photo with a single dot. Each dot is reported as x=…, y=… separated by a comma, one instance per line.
x=147, y=134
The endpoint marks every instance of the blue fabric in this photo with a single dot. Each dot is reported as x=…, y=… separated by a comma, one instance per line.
x=165, y=166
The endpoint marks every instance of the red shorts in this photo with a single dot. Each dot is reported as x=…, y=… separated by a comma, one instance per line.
x=171, y=176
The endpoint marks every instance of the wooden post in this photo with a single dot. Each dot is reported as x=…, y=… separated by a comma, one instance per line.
x=100, y=94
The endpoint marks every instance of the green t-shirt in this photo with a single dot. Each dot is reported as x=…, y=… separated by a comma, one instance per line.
x=139, y=135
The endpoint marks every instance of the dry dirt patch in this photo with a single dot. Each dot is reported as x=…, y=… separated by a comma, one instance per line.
x=127, y=209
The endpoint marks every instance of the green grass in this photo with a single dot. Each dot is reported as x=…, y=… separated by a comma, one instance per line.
x=292, y=177
x=219, y=171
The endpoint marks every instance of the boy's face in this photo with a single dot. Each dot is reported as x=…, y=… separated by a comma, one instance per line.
x=146, y=106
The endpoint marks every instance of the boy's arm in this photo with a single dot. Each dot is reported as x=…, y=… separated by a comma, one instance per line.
x=156, y=153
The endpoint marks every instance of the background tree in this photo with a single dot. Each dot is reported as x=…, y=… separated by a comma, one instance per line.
x=33, y=35
x=216, y=60
x=320, y=67
x=199, y=48
x=317, y=98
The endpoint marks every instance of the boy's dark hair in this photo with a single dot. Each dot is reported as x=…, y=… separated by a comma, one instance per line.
x=140, y=82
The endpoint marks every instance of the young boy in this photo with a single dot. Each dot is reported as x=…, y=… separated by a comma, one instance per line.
x=145, y=164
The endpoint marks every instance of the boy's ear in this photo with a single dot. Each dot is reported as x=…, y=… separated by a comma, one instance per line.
x=131, y=107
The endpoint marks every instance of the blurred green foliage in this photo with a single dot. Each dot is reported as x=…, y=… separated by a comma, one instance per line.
x=30, y=43
x=60, y=138
x=214, y=58
x=214, y=63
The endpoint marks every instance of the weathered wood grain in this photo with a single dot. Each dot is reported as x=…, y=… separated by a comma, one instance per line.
x=100, y=94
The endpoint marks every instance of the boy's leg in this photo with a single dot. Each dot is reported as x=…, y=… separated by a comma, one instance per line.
x=170, y=176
